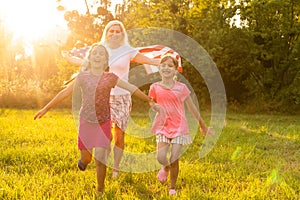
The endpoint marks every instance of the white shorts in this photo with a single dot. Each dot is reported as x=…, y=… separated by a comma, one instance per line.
x=182, y=139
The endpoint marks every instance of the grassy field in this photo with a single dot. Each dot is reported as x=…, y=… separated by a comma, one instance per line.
x=256, y=157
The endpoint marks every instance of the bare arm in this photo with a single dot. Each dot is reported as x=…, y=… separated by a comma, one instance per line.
x=57, y=99
x=72, y=59
x=142, y=59
x=135, y=91
x=193, y=109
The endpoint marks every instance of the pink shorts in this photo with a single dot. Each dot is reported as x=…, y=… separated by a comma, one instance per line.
x=91, y=135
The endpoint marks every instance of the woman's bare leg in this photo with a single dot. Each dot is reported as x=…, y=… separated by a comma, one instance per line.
x=119, y=138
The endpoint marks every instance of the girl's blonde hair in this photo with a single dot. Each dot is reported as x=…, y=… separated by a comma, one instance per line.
x=107, y=27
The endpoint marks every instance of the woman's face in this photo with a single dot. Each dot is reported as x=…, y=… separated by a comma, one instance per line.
x=114, y=35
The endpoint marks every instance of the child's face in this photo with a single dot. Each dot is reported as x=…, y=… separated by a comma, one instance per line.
x=167, y=69
x=98, y=57
x=114, y=34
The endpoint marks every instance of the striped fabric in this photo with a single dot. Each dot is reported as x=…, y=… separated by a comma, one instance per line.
x=154, y=51
x=79, y=52
x=182, y=139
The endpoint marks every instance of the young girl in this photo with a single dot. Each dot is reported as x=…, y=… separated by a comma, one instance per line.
x=95, y=121
x=115, y=39
x=170, y=124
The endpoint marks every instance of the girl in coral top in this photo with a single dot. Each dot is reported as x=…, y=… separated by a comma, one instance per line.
x=170, y=124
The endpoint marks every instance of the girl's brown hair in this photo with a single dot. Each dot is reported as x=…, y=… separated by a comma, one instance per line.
x=174, y=60
x=169, y=56
x=86, y=63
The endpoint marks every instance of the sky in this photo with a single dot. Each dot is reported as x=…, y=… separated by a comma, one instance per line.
x=34, y=19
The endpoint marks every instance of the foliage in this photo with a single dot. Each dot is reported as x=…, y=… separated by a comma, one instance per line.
x=274, y=28
x=258, y=56
x=87, y=28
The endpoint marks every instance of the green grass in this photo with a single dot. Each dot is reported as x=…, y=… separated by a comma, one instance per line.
x=256, y=157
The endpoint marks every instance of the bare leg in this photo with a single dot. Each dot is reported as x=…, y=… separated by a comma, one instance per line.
x=100, y=159
x=174, y=166
x=162, y=148
x=86, y=156
x=119, y=137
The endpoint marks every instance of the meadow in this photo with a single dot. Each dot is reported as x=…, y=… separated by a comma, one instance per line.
x=255, y=157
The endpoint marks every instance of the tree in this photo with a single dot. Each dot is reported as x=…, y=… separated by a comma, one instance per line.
x=88, y=27
x=274, y=29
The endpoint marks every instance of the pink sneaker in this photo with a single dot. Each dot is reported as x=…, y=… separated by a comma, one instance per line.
x=172, y=192
x=115, y=175
x=162, y=175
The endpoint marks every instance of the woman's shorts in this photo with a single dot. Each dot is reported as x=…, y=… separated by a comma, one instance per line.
x=120, y=107
x=91, y=135
x=182, y=139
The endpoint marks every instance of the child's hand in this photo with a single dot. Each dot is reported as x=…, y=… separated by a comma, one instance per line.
x=210, y=131
x=40, y=113
x=156, y=108
x=207, y=130
x=65, y=54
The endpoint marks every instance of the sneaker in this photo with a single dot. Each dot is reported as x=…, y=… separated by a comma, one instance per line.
x=172, y=192
x=162, y=175
x=81, y=166
x=115, y=174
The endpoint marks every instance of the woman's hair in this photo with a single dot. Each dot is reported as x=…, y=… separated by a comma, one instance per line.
x=86, y=65
x=107, y=27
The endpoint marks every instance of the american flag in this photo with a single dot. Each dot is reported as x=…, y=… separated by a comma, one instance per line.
x=79, y=52
x=157, y=51
x=154, y=51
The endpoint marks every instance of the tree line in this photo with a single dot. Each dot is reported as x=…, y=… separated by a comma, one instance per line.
x=254, y=44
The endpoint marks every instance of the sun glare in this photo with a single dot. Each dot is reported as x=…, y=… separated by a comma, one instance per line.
x=30, y=19
x=39, y=19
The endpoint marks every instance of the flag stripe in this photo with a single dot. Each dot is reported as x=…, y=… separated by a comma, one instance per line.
x=154, y=51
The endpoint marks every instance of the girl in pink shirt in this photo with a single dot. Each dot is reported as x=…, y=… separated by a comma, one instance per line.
x=170, y=124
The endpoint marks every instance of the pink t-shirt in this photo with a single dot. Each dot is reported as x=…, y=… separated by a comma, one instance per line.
x=95, y=92
x=172, y=122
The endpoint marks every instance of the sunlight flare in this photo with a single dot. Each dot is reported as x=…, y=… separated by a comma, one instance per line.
x=31, y=19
